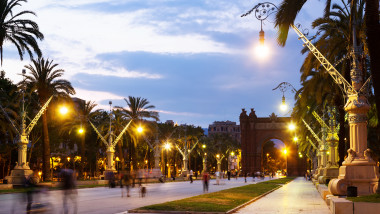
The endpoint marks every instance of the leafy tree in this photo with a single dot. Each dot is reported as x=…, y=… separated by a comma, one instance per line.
x=22, y=32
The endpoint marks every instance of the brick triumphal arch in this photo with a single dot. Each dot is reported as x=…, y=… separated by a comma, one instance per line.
x=255, y=131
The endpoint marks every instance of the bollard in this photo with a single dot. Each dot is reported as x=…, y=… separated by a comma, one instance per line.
x=352, y=191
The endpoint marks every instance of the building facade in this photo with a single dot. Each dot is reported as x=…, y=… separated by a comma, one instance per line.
x=225, y=127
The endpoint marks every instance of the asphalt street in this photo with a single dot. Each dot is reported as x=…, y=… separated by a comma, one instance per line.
x=105, y=200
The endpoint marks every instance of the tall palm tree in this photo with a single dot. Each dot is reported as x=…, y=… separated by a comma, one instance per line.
x=23, y=33
x=44, y=80
x=289, y=10
x=137, y=109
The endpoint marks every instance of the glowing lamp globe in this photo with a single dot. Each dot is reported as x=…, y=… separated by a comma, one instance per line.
x=63, y=110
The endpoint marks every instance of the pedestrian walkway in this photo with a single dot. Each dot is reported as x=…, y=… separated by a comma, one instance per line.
x=298, y=196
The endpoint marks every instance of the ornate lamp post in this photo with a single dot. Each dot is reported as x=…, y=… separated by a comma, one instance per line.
x=22, y=168
x=111, y=143
x=358, y=169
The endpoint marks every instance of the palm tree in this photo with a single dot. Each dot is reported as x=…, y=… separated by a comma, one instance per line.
x=83, y=113
x=138, y=110
x=44, y=80
x=318, y=88
x=289, y=10
x=23, y=33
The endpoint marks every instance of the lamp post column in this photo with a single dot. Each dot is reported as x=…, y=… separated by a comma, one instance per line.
x=358, y=169
x=110, y=154
x=219, y=163
x=204, y=162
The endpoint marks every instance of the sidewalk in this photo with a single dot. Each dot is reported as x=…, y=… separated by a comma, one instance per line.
x=298, y=196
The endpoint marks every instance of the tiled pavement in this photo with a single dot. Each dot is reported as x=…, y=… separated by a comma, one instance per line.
x=298, y=196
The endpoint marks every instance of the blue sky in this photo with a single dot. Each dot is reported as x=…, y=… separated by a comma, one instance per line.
x=192, y=59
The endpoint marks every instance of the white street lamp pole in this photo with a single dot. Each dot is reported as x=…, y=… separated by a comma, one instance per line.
x=22, y=168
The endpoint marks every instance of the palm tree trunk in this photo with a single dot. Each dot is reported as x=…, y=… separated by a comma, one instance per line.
x=373, y=33
x=82, y=154
x=46, y=150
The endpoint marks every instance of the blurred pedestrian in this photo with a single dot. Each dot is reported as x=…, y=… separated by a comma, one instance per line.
x=205, y=179
x=217, y=175
x=69, y=190
x=140, y=175
x=30, y=186
x=127, y=183
x=191, y=176
x=245, y=177
x=229, y=175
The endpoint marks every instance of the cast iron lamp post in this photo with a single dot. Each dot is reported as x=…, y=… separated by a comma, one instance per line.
x=22, y=168
x=358, y=169
x=111, y=143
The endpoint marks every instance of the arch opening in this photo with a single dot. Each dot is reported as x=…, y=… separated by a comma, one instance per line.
x=274, y=159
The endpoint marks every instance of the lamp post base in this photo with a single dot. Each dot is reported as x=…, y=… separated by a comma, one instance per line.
x=327, y=174
x=18, y=176
x=361, y=173
x=318, y=172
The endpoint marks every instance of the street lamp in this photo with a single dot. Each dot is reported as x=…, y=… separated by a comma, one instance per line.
x=283, y=106
x=286, y=161
x=167, y=147
x=117, y=162
x=81, y=131
x=291, y=126
x=63, y=110
x=262, y=12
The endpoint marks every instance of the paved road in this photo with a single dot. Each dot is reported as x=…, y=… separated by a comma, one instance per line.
x=104, y=200
x=298, y=196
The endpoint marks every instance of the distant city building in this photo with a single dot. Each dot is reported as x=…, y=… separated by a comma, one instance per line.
x=170, y=122
x=225, y=127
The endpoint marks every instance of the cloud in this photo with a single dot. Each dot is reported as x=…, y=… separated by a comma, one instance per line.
x=188, y=114
x=97, y=96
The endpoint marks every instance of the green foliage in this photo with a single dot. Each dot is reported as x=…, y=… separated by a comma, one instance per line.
x=375, y=198
x=22, y=32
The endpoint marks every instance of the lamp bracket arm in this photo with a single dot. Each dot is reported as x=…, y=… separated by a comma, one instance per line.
x=99, y=135
x=39, y=114
x=337, y=77
x=9, y=119
x=312, y=132
x=121, y=133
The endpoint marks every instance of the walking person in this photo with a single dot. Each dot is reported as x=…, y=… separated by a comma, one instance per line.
x=205, y=179
x=69, y=190
x=30, y=186
x=217, y=175
x=191, y=176
x=127, y=183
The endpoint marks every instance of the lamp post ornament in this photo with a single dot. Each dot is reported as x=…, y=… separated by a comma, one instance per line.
x=111, y=143
x=185, y=152
x=22, y=168
x=358, y=169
